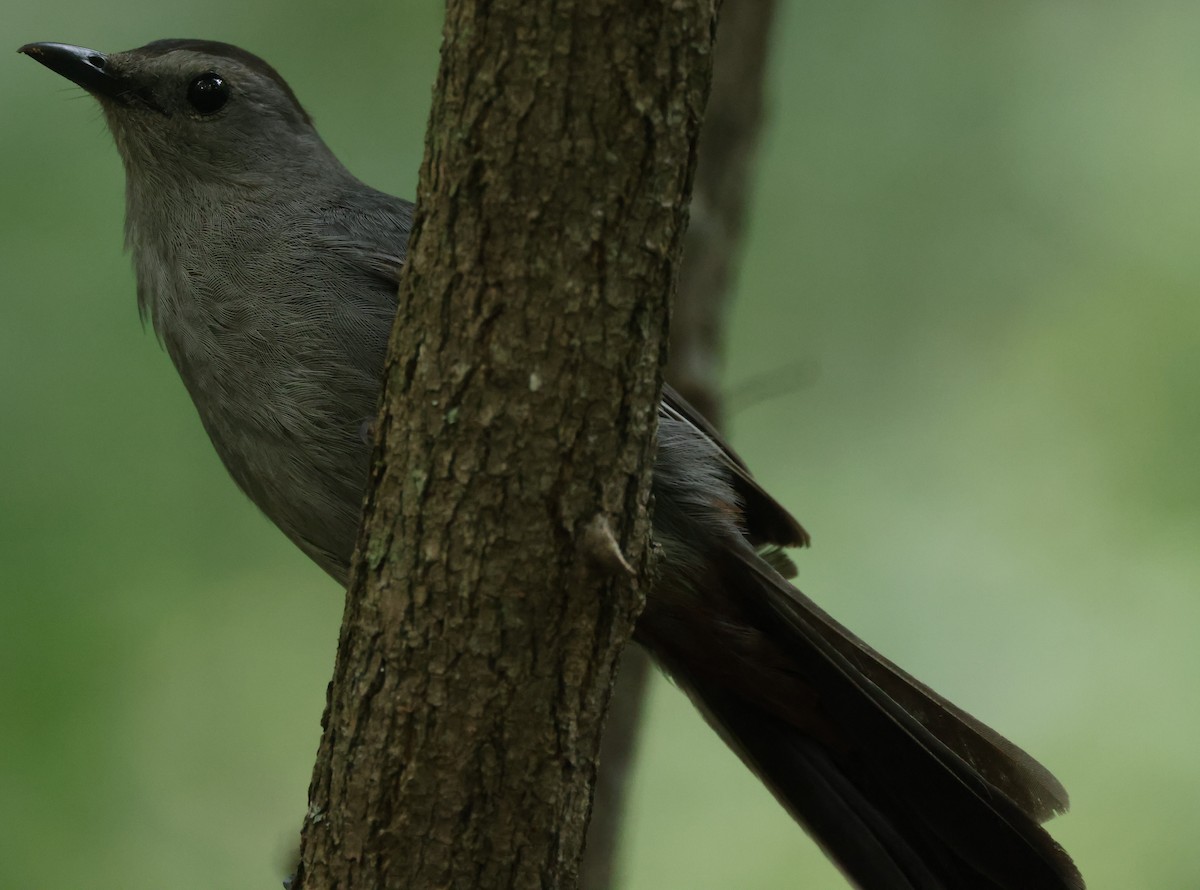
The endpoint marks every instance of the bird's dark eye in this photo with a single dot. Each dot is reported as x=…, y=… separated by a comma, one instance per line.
x=208, y=93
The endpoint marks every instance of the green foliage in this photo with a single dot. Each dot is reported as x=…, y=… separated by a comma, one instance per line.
x=979, y=223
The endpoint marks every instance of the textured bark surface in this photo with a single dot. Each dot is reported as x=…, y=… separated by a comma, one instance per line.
x=724, y=173
x=489, y=602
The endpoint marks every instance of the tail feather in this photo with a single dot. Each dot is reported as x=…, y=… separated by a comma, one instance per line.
x=903, y=790
x=1004, y=765
x=853, y=832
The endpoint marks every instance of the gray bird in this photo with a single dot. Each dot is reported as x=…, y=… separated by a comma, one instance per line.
x=269, y=273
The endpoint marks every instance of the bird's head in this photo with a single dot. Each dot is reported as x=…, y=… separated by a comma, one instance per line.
x=194, y=108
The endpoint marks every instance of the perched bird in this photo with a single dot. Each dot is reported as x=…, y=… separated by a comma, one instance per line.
x=270, y=274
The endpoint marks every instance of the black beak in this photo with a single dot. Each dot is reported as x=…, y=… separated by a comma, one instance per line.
x=78, y=64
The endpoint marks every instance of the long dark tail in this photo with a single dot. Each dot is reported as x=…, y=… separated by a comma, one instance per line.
x=904, y=790
x=901, y=788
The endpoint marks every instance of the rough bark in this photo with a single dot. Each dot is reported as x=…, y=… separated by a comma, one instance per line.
x=491, y=596
x=724, y=171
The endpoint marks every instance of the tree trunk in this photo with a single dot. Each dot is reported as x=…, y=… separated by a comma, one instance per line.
x=506, y=534
x=724, y=172
x=728, y=145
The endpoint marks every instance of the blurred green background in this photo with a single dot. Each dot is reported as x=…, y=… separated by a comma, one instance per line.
x=978, y=221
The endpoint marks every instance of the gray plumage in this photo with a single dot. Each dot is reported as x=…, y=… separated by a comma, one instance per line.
x=269, y=273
